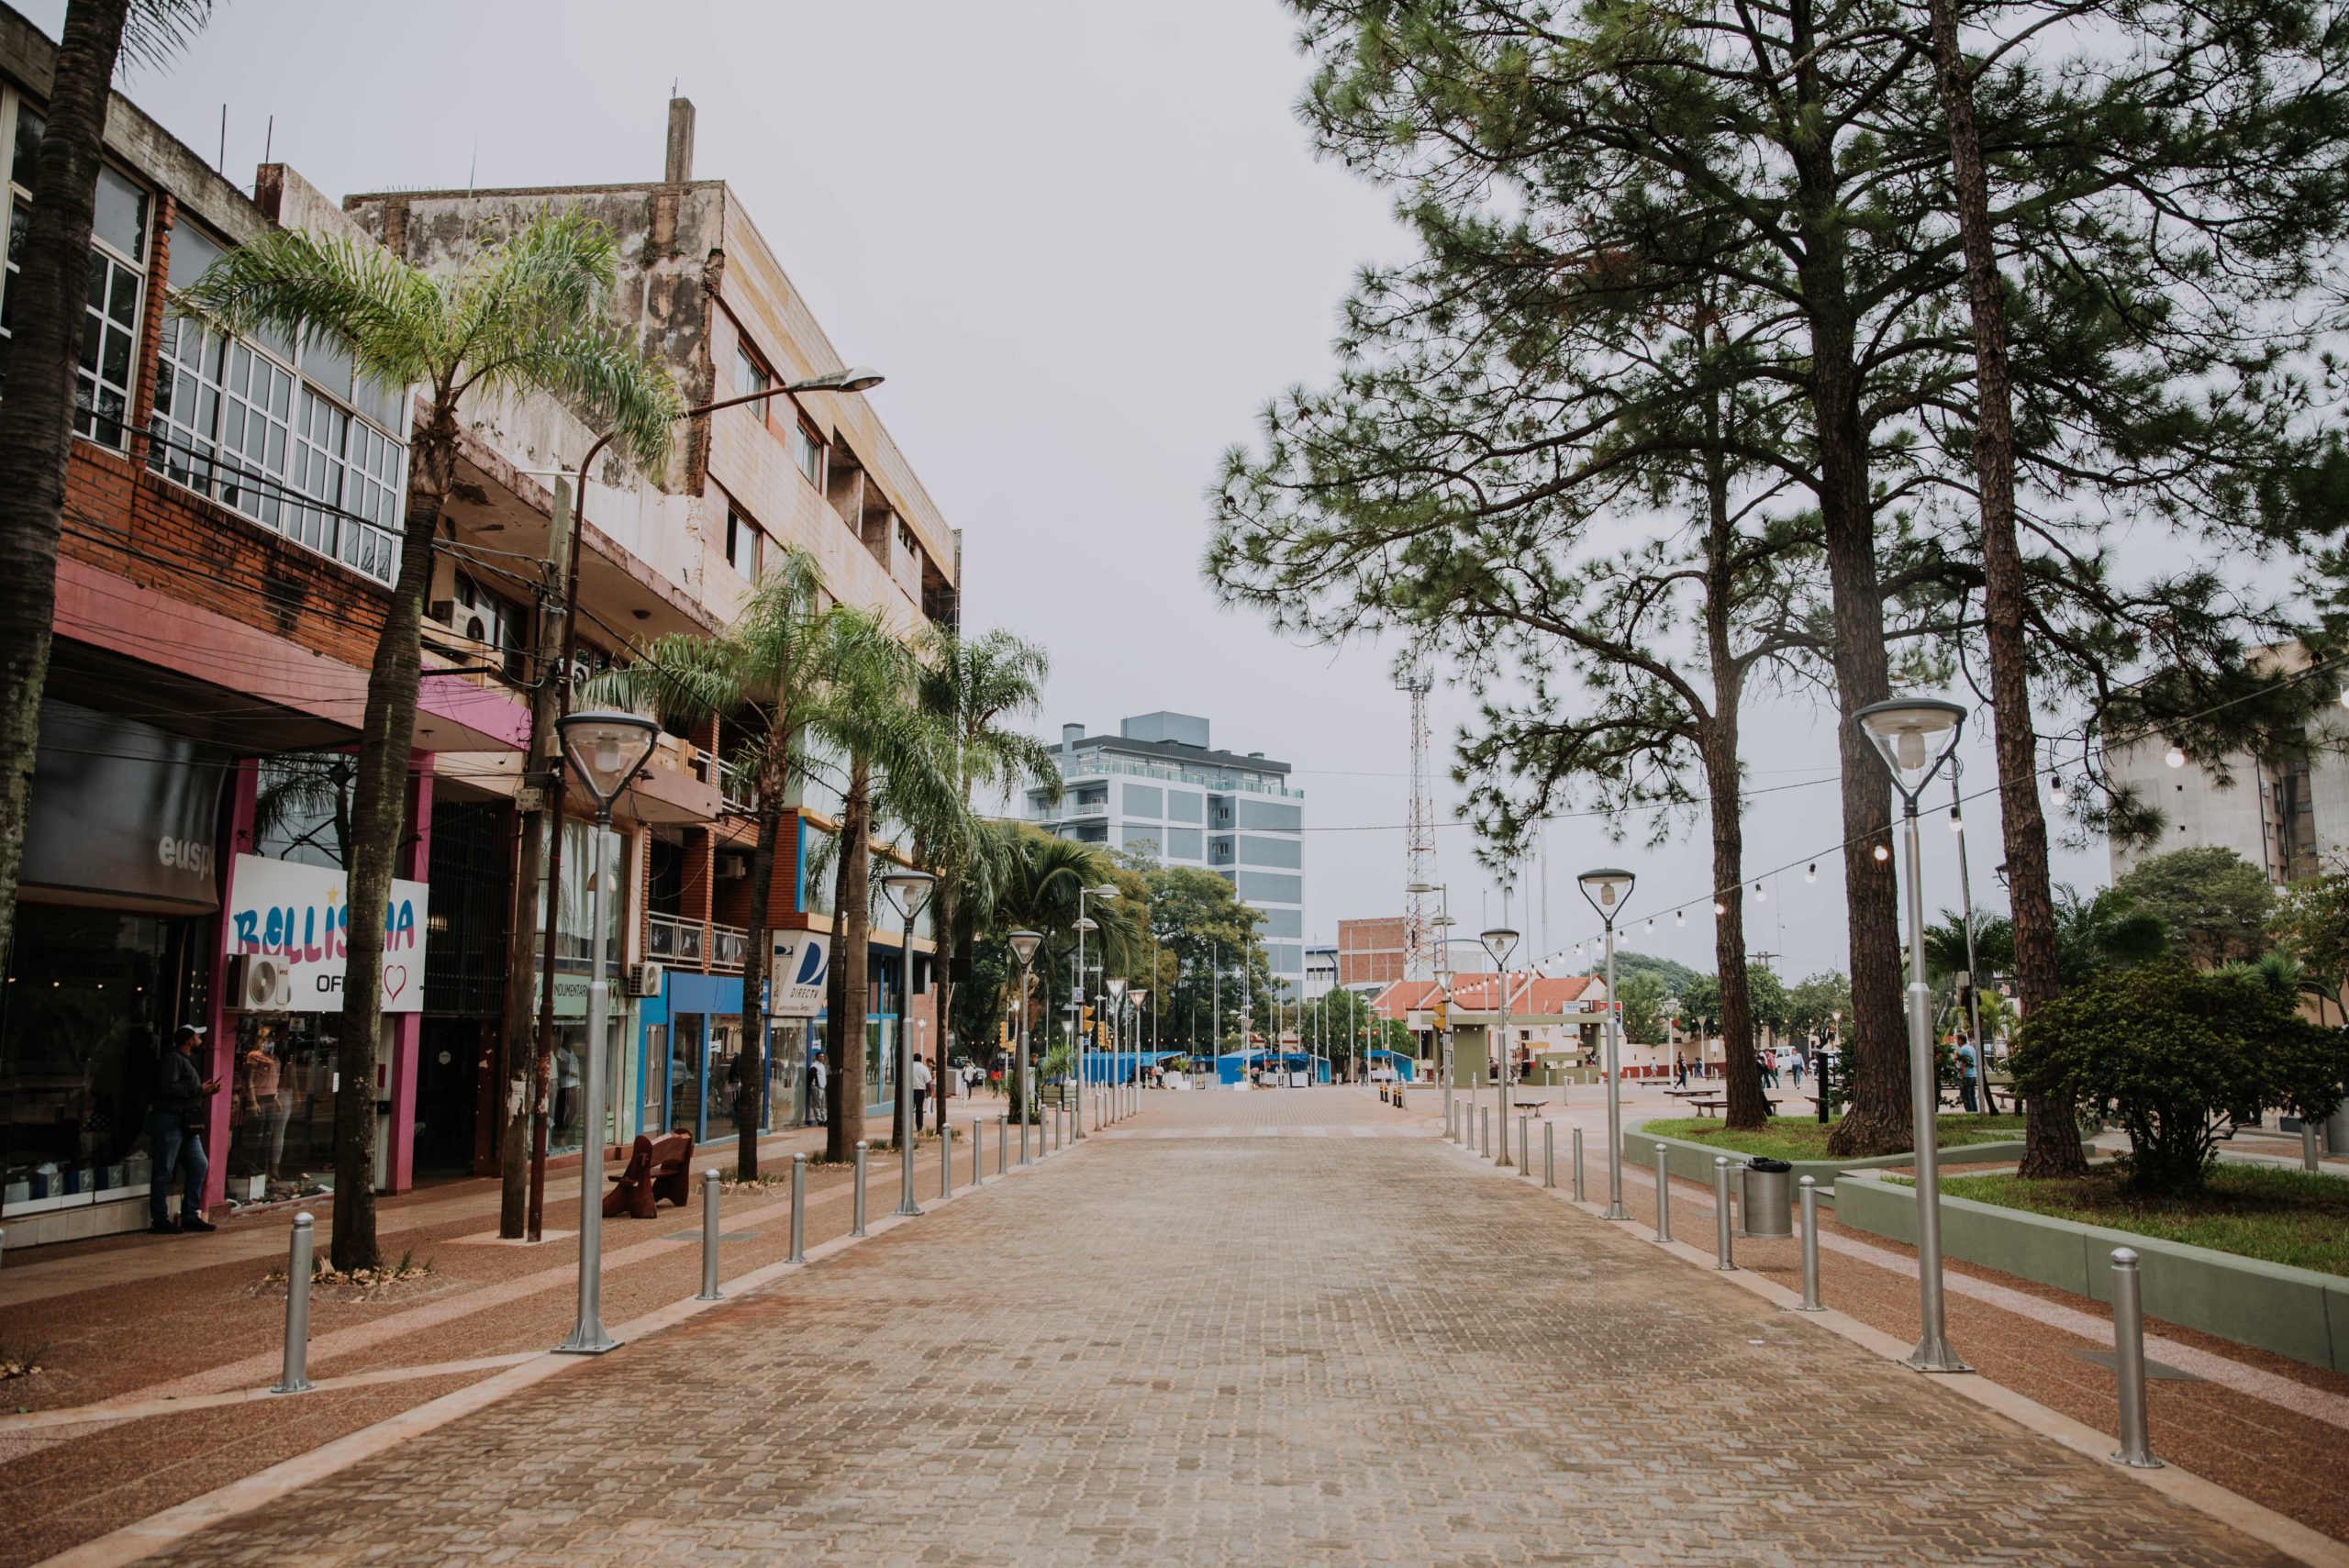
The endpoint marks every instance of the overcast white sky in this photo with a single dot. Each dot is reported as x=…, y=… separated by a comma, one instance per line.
x=1084, y=240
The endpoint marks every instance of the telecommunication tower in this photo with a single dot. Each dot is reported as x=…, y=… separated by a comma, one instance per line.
x=1418, y=842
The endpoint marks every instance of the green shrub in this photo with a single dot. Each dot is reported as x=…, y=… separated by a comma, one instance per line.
x=2174, y=1055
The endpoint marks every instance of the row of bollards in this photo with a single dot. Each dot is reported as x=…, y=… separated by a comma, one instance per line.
x=293, y=1373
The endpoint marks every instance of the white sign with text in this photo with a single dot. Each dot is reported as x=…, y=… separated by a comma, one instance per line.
x=302, y=915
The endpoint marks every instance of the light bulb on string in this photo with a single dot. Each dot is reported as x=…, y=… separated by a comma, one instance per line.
x=1759, y=895
x=2055, y=790
x=1883, y=854
x=2174, y=757
x=1680, y=916
x=1957, y=823
x=1651, y=924
x=1719, y=907
x=1812, y=874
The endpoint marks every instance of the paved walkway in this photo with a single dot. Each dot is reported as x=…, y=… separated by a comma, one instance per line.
x=1237, y=1350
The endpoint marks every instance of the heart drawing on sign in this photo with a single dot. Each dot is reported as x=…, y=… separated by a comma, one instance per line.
x=394, y=979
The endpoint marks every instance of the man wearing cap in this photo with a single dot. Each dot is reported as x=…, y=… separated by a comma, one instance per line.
x=175, y=1136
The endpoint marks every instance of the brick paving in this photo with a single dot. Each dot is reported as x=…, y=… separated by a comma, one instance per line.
x=1236, y=1350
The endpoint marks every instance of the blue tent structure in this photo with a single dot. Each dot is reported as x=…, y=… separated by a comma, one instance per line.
x=1405, y=1065
x=1232, y=1066
x=1109, y=1067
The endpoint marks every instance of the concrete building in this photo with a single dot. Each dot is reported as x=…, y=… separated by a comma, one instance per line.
x=232, y=521
x=1548, y=1018
x=1159, y=786
x=2287, y=816
x=1372, y=951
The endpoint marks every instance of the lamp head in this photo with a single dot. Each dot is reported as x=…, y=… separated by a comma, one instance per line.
x=1116, y=985
x=1106, y=890
x=1137, y=995
x=606, y=750
x=909, y=889
x=1500, y=940
x=857, y=378
x=1024, y=945
x=1437, y=888
x=1605, y=888
x=1913, y=735
x=1087, y=923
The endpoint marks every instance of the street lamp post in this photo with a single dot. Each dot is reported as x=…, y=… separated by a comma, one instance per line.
x=909, y=890
x=1135, y=999
x=1116, y=987
x=606, y=750
x=1083, y=924
x=851, y=380
x=1607, y=888
x=1500, y=941
x=1915, y=735
x=1023, y=948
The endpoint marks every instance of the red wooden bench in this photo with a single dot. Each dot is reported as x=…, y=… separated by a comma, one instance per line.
x=657, y=1168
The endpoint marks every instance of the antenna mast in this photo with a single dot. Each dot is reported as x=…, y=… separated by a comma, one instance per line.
x=1419, y=843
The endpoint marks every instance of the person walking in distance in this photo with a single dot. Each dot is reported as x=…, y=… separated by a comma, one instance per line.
x=921, y=1090
x=1966, y=1070
x=175, y=1136
x=819, y=1112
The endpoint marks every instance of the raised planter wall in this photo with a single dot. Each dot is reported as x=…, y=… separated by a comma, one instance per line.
x=2297, y=1313
x=1693, y=1161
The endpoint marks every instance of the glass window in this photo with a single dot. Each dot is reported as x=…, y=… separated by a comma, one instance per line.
x=1140, y=836
x=807, y=453
x=1185, y=806
x=742, y=544
x=121, y=218
x=1143, y=800
x=102, y=390
x=1269, y=887
x=816, y=871
x=1257, y=850
x=1184, y=844
x=26, y=151
x=750, y=377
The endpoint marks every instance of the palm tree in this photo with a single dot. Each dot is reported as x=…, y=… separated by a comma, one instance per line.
x=1041, y=893
x=2106, y=931
x=897, y=771
x=771, y=677
x=47, y=298
x=971, y=685
x=532, y=314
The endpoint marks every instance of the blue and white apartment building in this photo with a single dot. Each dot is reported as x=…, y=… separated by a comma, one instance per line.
x=1158, y=785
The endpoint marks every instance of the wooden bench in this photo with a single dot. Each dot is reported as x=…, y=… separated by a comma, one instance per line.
x=1537, y=1108
x=657, y=1168
x=1720, y=1103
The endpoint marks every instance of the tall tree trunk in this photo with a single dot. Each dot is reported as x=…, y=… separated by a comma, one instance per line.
x=2050, y=1138
x=1747, y=1109
x=37, y=416
x=846, y=990
x=1716, y=743
x=379, y=814
x=750, y=1092
x=1876, y=1120
x=522, y=949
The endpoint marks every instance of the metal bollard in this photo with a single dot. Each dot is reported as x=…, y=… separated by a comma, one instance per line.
x=1060, y=1129
x=945, y=1159
x=1722, y=1211
x=1662, y=1192
x=858, y=1229
x=708, y=1237
x=1399, y=1098
x=978, y=1149
x=1549, y=1153
x=1002, y=1143
x=294, y=1376
x=2128, y=1360
x=1525, y=1147
x=799, y=1209
x=1810, y=1246
x=1485, y=1144
x=1578, y=1164
x=2308, y=1160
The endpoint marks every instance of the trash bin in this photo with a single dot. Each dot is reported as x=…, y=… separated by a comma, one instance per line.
x=1768, y=1204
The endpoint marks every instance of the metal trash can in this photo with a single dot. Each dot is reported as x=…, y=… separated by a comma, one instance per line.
x=1768, y=1198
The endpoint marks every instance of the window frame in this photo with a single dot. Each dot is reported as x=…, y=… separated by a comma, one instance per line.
x=268, y=478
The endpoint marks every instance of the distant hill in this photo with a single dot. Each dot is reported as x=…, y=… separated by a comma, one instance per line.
x=1674, y=975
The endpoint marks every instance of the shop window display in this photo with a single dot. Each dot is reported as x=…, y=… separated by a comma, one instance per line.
x=91, y=995
x=281, y=1106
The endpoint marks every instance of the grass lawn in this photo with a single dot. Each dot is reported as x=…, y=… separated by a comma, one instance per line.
x=1805, y=1137
x=2299, y=1218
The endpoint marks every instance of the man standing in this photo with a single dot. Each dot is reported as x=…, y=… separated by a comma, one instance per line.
x=175, y=1136
x=817, y=1108
x=1967, y=1066
x=922, y=1091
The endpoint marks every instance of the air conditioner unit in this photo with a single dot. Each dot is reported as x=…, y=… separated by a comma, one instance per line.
x=645, y=979
x=477, y=629
x=442, y=610
x=734, y=868
x=260, y=982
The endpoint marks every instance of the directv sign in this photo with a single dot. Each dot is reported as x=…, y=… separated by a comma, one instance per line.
x=795, y=976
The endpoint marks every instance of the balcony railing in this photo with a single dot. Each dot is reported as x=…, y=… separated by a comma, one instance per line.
x=674, y=942
x=729, y=944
